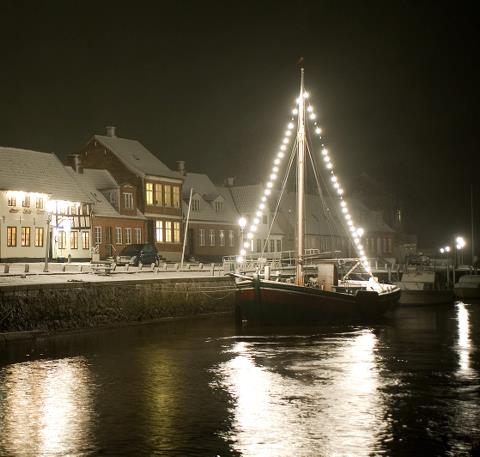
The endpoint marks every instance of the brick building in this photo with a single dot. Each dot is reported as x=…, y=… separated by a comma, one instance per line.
x=146, y=184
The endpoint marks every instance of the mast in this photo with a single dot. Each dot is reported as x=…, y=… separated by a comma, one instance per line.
x=300, y=184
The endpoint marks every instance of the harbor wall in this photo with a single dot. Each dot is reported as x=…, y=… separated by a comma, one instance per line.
x=77, y=305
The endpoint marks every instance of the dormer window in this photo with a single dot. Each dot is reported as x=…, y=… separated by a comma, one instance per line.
x=195, y=204
x=12, y=201
x=218, y=206
x=26, y=201
x=128, y=200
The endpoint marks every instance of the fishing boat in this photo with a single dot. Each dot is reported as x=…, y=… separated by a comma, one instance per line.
x=325, y=296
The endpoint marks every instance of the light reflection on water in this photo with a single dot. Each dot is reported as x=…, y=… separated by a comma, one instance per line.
x=46, y=407
x=463, y=341
x=318, y=398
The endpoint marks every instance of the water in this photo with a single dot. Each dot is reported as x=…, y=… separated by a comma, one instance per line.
x=406, y=387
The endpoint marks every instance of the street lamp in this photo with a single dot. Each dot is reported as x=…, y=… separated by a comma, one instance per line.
x=459, y=245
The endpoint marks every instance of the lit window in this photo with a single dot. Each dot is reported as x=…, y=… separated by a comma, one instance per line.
x=158, y=194
x=128, y=235
x=118, y=235
x=176, y=232
x=11, y=236
x=85, y=240
x=138, y=235
x=231, y=239
x=39, y=203
x=12, y=201
x=202, y=237
x=149, y=193
x=212, y=237
x=168, y=231
x=168, y=195
x=26, y=201
x=25, y=236
x=73, y=239
x=272, y=245
x=221, y=235
x=159, y=231
x=176, y=196
x=62, y=239
x=39, y=236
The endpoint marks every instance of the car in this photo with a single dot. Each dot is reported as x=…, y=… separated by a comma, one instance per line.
x=135, y=254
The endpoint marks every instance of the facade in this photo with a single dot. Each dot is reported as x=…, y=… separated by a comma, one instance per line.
x=113, y=226
x=146, y=185
x=212, y=230
x=42, y=210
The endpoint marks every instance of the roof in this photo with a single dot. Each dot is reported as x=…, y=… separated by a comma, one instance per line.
x=137, y=157
x=101, y=206
x=101, y=179
x=204, y=188
x=34, y=171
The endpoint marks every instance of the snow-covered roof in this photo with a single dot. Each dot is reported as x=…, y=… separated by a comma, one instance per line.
x=101, y=179
x=34, y=171
x=137, y=157
x=101, y=206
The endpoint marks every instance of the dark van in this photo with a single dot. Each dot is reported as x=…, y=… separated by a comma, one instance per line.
x=133, y=254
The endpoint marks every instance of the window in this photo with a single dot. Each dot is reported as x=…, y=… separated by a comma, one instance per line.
x=221, y=235
x=202, y=237
x=26, y=201
x=112, y=197
x=279, y=245
x=98, y=235
x=12, y=201
x=73, y=239
x=212, y=237
x=176, y=232
x=168, y=231
x=39, y=237
x=259, y=245
x=25, y=236
x=72, y=210
x=149, y=193
x=176, y=196
x=128, y=235
x=167, y=195
x=128, y=200
x=390, y=245
x=272, y=245
x=158, y=194
x=195, y=204
x=159, y=231
x=231, y=239
x=138, y=235
x=85, y=240
x=218, y=207
x=118, y=235
x=39, y=203
x=11, y=236
x=62, y=239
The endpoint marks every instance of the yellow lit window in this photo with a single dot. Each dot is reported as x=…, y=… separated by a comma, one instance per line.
x=38, y=236
x=176, y=232
x=25, y=236
x=176, y=196
x=158, y=194
x=149, y=193
x=11, y=236
x=168, y=195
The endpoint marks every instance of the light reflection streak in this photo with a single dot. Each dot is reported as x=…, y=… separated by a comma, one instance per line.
x=45, y=407
x=463, y=341
x=327, y=399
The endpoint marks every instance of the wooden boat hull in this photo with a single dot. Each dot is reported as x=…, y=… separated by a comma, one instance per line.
x=269, y=301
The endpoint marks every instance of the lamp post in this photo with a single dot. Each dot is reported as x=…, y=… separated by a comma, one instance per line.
x=242, y=222
x=47, y=240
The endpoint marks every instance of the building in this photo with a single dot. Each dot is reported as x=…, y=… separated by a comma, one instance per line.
x=113, y=227
x=213, y=230
x=41, y=208
x=146, y=185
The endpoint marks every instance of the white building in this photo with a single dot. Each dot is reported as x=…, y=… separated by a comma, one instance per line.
x=38, y=197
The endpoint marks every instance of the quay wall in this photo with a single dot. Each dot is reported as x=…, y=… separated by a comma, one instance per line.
x=77, y=305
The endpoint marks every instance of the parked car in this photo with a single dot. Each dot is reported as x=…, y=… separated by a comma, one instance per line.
x=133, y=254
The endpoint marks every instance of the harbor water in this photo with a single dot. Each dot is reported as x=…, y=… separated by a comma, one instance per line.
x=407, y=386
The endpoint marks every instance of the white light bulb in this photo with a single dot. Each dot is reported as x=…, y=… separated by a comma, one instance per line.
x=344, y=210
x=288, y=133
x=313, y=116
x=343, y=203
x=336, y=185
x=246, y=244
x=264, y=199
x=253, y=228
x=325, y=151
x=329, y=166
x=268, y=191
x=239, y=259
x=326, y=159
x=290, y=125
x=283, y=147
x=340, y=191
x=318, y=130
x=250, y=235
x=258, y=214
x=276, y=161
x=297, y=100
x=295, y=111
x=310, y=109
x=243, y=252
x=285, y=141
x=350, y=223
x=334, y=179
x=273, y=176
x=356, y=240
x=348, y=217
x=275, y=169
x=262, y=206
x=363, y=258
x=281, y=155
x=256, y=220
x=306, y=95
x=269, y=184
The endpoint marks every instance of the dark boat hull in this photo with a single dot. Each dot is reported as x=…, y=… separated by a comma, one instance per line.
x=269, y=301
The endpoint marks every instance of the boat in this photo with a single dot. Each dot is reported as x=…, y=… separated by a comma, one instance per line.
x=424, y=288
x=468, y=286
x=325, y=296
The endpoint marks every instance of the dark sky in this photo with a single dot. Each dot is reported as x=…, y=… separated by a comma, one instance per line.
x=213, y=83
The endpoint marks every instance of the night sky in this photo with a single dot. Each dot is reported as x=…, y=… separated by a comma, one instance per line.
x=213, y=83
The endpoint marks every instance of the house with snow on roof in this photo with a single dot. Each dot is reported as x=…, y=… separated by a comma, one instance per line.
x=42, y=210
x=212, y=227
x=146, y=185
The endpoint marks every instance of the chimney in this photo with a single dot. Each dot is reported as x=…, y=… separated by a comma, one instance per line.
x=230, y=181
x=111, y=131
x=76, y=162
x=181, y=167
